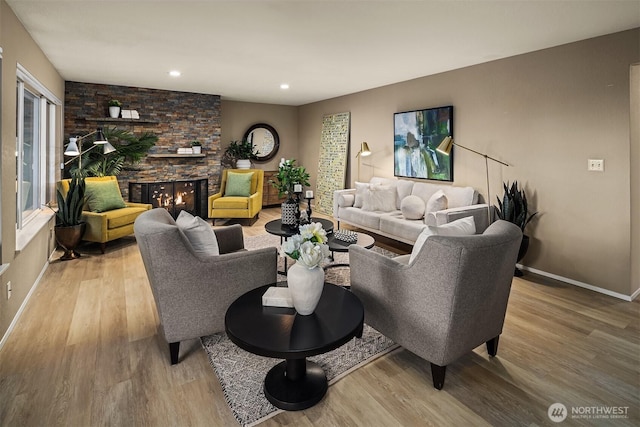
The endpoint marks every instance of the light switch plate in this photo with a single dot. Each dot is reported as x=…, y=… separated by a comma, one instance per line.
x=596, y=165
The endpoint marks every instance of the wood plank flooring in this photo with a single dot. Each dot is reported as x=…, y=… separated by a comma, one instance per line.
x=85, y=353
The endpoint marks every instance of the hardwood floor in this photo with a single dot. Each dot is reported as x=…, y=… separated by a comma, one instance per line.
x=85, y=353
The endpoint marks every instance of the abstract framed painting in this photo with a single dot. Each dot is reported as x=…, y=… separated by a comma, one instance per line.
x=416, y=135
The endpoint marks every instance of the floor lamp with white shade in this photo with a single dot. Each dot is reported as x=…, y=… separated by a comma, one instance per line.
x=445, y=148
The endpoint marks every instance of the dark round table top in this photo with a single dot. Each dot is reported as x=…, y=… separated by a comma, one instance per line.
x=336, y=245
x=276, y=227
x=282, y=333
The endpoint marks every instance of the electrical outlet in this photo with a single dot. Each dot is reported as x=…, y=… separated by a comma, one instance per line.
x=8, y=290
x=595, y=165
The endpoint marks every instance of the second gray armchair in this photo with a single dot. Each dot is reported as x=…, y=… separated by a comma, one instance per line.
x=449, y=300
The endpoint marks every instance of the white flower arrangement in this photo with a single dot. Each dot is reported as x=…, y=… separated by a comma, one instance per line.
x=309, y=248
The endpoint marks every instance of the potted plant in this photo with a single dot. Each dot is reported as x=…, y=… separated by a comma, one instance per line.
x=289, y=175
x=196, y=146
x=242, y=152
x=114, y=108
x=69, y=224
x=515, y=208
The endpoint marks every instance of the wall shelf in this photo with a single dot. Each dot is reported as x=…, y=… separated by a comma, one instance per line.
x=118, y=120
x=170, y=156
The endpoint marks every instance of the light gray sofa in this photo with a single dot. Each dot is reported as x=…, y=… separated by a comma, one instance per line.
x=192, y=292
x=450, y=299
x=461, y=202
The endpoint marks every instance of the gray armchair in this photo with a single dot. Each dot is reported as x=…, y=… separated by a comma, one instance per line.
x=192, y=292
x=449, y=300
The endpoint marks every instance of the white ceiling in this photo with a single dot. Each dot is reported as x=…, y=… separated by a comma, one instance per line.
x=243, y=50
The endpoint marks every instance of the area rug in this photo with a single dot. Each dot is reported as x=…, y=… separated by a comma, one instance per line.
x=336, y=275
x=241, y=373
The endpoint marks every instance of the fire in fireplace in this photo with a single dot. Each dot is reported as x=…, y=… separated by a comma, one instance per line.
x=174, y=196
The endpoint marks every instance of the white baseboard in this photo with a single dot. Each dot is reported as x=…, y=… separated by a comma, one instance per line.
x=581, y=284
x=23, y=305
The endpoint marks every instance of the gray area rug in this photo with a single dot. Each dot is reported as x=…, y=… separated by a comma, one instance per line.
x=241, y=373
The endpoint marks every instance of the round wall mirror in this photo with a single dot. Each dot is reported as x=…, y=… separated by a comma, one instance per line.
x=265, y=139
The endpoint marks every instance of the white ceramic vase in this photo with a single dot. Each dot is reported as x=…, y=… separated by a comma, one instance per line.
x=305, y=286
x=114, y=112
x=243, y=164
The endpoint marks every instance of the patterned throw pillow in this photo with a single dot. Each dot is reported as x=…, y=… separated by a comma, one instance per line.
x=103, y=196
x=238, y=184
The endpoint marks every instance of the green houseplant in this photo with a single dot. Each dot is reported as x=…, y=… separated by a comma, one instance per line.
x=514, y=208
x=114, y=108
x=289, y=175
x=242, y=152
x=197, y=147
x=69, y=224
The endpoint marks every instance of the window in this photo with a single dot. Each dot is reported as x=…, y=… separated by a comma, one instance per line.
x=36, y=129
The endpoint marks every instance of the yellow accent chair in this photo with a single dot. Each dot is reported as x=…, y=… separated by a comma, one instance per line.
x=107, y=225
x=237, y=204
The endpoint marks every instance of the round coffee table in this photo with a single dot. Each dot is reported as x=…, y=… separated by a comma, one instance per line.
x=296, y=383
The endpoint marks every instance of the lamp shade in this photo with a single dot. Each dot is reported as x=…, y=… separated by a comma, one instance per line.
x=108, y=148
x=445, y=146
x=72, y=148
x=100, y=138
x=364, y=150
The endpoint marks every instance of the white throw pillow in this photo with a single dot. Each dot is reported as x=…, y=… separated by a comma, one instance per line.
x=380, y=198
x=437, y=202
x=199, y=233
x=345, y=200
x=412, y=207
x=460, y=227
x=361, y=189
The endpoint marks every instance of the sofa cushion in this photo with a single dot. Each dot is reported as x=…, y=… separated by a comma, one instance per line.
x=231, y=203
x=412, y=207
x=395, y=224
x=238, y=184
x=122, y=217
x=460, y=196
x=199, y=233
x=404, y=187
x=460, y=227
x=379, y=198
x=425, y=190
x=358, y=216
x=103, y=196
x=345, y=200
x=361, y=188
x=437, y=202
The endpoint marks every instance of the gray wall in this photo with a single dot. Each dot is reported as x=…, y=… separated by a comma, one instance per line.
x=545, y=113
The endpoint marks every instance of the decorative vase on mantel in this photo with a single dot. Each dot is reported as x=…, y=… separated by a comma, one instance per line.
x=290, y=212
x=305, y=286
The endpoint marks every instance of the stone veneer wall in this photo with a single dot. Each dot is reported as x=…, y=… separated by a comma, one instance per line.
x=176, y=117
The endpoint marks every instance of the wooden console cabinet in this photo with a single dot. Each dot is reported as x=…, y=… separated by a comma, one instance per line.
x=269, y=192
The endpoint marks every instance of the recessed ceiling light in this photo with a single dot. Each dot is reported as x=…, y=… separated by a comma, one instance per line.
x=284, y=86
x=174, y=73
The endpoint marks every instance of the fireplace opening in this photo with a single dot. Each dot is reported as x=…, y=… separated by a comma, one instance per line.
x=174, y=196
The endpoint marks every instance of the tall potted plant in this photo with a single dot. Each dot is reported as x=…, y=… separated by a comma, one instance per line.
x=514, y=208
x=69, y=224
x=289, y=175
x=242, y=152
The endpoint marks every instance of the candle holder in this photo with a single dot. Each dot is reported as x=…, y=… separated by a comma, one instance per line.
x=309, y=199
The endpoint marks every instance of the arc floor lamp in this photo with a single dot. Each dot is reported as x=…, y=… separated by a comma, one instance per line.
x=74, y=148
x=445, y=148
x=364, y=152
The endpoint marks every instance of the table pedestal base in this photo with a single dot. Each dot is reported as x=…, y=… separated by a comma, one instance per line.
x=295, y=384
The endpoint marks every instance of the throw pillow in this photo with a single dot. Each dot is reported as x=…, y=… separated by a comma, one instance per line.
x=345, y=200
x=361, y=189
x=461, y=227
x=380, y=198
x=412, y=207
x=437, y=202
x=199, y=233
x=103, y=196
x=238, y=184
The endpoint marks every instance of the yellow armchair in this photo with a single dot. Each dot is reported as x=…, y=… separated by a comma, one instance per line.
x=103, y=227
x=224, y=206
